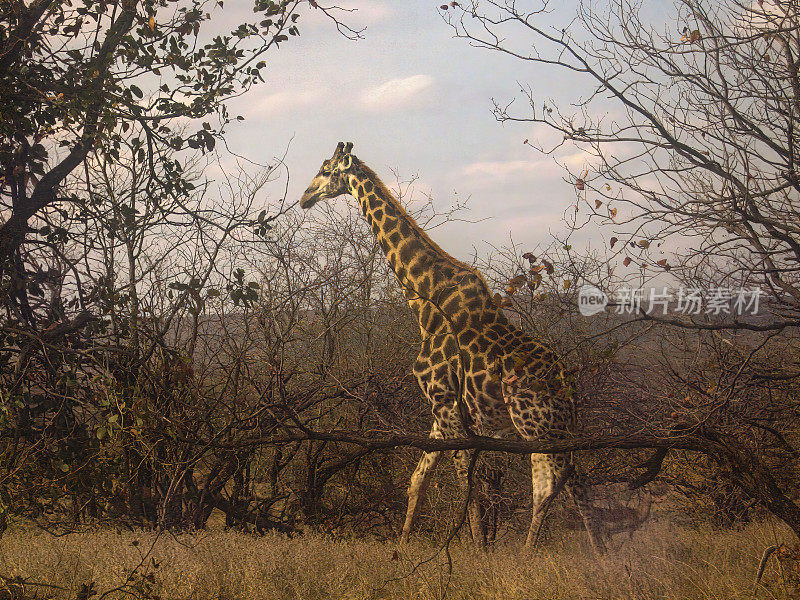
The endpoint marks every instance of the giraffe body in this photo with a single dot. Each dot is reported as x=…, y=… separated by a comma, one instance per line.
x=479, y=372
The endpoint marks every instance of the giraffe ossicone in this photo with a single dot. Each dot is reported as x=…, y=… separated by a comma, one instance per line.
x=478, y=370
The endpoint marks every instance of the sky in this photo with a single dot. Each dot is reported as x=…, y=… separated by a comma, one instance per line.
x=417, y=102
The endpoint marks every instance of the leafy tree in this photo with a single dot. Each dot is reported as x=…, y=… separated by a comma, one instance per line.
x=75, y=77
x=109, y=110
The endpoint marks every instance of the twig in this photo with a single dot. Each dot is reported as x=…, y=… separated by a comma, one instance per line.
x=761, y=566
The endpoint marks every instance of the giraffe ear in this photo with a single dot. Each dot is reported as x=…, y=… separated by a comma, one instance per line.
x=346, y=162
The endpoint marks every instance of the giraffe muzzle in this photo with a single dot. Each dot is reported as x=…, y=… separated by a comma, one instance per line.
x=310, y=197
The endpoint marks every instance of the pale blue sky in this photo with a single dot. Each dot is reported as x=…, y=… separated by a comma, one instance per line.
x=415, y=99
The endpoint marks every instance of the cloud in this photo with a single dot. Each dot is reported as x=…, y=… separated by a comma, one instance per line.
x=403, y=92
x=492, y=172
x=503, y=169
x=578, y=160
x=286, y=101
x=368, y=12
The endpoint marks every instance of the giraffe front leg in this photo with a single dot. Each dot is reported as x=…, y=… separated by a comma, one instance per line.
x=420, y=480
x=462, y=459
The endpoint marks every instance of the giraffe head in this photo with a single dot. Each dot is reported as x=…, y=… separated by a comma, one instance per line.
x=332, y=179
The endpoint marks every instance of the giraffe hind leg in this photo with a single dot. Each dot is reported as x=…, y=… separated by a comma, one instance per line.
x=580, y=491
x=542, y=478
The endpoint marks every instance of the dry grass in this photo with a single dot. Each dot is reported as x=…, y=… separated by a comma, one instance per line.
x=660, y=562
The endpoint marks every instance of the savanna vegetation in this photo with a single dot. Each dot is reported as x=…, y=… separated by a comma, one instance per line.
x=206, y=392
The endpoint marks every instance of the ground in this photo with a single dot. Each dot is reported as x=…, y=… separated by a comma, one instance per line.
x=659, y=561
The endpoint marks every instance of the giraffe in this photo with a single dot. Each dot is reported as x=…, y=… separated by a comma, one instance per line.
x=479, y=372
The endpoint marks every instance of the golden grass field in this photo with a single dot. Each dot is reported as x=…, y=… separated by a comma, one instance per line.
x=659, y=562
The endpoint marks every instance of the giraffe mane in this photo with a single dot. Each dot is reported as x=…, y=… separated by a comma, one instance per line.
x=382, y=189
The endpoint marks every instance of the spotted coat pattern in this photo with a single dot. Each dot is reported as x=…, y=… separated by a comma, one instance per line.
x=477, y=369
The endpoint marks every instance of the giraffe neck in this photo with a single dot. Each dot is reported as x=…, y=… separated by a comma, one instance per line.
x=429, y=276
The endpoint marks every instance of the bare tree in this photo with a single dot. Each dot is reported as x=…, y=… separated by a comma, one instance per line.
x=688, y=126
